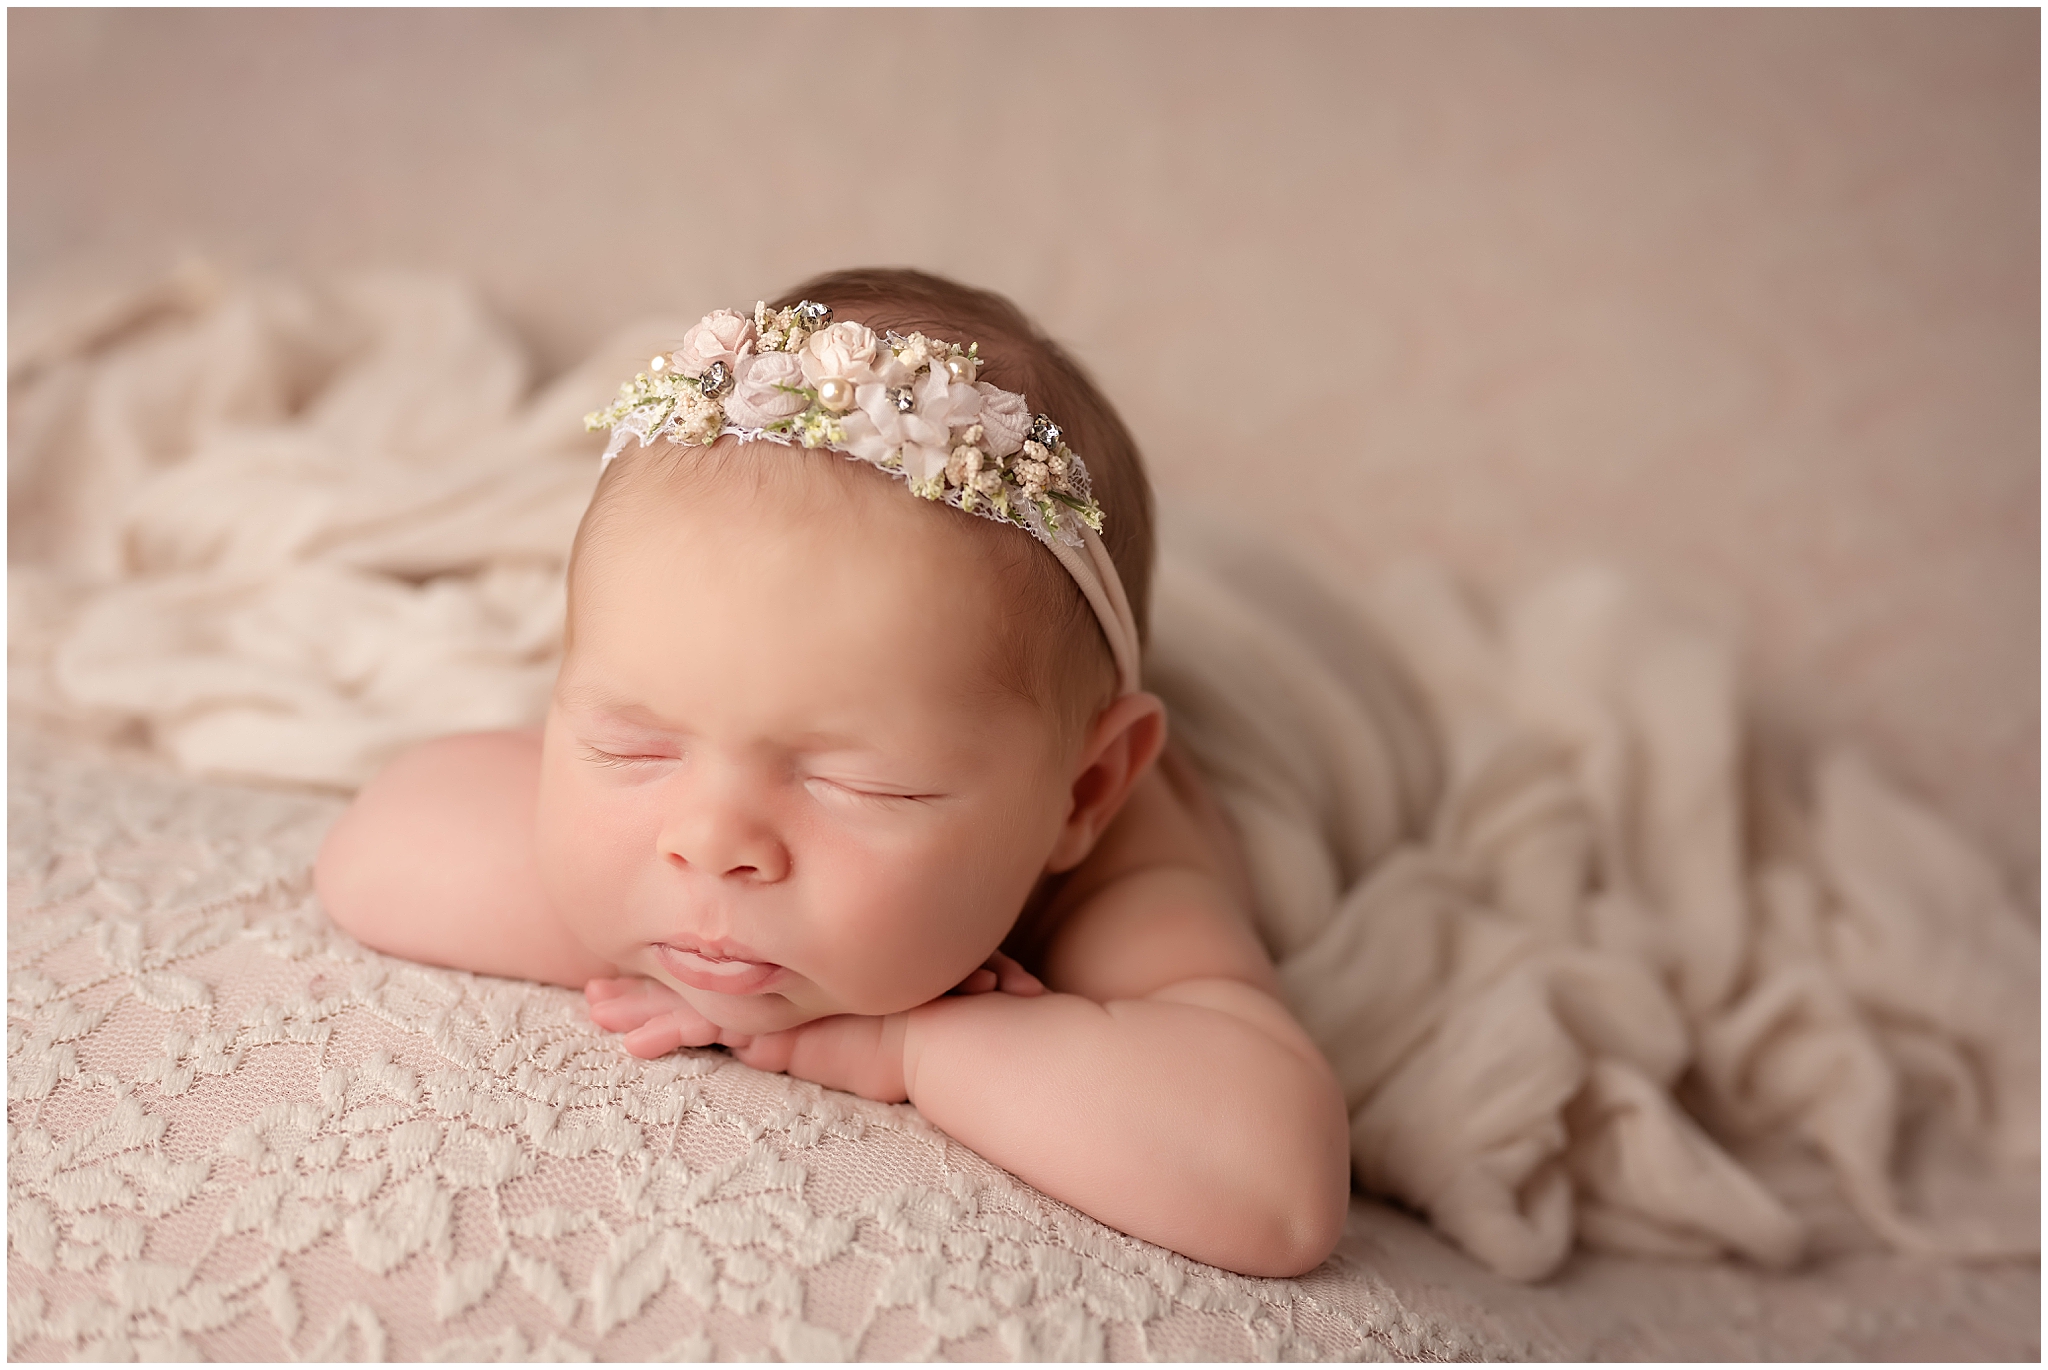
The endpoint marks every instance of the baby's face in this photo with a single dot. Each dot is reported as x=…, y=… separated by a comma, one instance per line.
x=777, y=775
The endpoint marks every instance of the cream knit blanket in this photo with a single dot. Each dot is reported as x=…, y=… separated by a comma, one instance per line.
x=1568, y=951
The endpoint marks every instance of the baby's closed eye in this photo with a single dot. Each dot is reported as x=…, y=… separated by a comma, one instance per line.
x=863, y=793
x=617, y=759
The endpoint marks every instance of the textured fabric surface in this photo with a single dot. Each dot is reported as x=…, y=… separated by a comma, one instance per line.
x=234, y=1133
x=1561, y=956
x=1857, y=1306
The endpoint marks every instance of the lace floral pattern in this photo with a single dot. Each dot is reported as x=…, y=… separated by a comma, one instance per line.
x=234, y=1133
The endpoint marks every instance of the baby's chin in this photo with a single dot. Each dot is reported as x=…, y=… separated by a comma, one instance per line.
x=776, y=1010
x=753, y=1014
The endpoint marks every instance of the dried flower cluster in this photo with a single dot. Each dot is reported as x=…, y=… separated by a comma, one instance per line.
x=911, y=406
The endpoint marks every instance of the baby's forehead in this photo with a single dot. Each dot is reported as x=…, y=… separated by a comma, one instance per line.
x=781, y=492
x=980, y=598
x=763, y=505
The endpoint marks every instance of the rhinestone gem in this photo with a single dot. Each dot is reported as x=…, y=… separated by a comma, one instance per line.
x=1044, y=430
x=903, y=399
x=716, y=380
x=812, y=313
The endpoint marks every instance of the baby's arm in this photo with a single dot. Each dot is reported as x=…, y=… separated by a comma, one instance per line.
x=434, y=862
x=1164, y=1091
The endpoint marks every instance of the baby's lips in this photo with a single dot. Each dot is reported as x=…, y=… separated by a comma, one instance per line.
x=716, y=974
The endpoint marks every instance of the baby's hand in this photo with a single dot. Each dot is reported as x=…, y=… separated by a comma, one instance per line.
x=865, y=1055
x=1001, y=974
x=655, y=1019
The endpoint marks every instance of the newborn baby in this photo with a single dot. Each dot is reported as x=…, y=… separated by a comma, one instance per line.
x=861, y=785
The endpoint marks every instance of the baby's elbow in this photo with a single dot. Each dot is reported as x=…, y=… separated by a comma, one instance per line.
x=346, y=879
x=1306, y=1195
x=1303, y=1224
x=1317, y=1229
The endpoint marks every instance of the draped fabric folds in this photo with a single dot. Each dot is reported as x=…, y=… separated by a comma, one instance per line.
x=1521, y=895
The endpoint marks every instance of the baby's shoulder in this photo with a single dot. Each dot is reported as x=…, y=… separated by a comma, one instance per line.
x=1163, y=897
x=434, y=862
x=1171, y=819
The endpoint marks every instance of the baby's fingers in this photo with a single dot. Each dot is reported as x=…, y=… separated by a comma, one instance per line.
x=999, y=973
x=595, y=990
x=659, y=1036
x=980, y=980
x=622, y=1005
x=655, y=1019
x=768, y=1051
x=1012, y=978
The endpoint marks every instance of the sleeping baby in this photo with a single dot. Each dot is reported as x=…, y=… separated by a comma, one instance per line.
x=849, y=770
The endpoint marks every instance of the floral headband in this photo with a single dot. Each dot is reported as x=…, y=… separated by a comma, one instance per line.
x=908, y=406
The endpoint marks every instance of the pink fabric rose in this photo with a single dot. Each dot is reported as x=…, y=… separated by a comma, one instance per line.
x=756, y=401
x=1005, y=419
x=841, y=352
x=723, y=336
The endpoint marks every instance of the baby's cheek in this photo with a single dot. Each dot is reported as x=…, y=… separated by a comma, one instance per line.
x=584, y=847
x=907, y=931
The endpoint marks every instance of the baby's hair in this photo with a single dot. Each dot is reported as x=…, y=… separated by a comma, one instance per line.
x=1052, y=650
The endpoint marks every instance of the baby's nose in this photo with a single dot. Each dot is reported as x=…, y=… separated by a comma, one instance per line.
x=726, y=844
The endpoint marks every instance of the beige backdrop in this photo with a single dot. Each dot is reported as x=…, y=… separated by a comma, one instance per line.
x=1747, y=302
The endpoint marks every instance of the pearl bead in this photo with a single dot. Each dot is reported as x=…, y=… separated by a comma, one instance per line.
x=657, y=364
x=961, y=369
x=836, y=394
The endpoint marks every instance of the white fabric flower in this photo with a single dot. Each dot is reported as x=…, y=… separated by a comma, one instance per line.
x=1005, y=419
x=876, y=430
x=841, y=352
x=722, y=336
x=922, y=436
x=764, y=389
x=944, y=406
x=946, y=402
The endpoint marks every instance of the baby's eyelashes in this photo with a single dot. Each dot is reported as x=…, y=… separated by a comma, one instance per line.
x=616, y=760
x=879, y=798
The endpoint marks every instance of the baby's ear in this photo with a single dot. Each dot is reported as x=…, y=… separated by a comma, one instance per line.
x=1124, y=741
